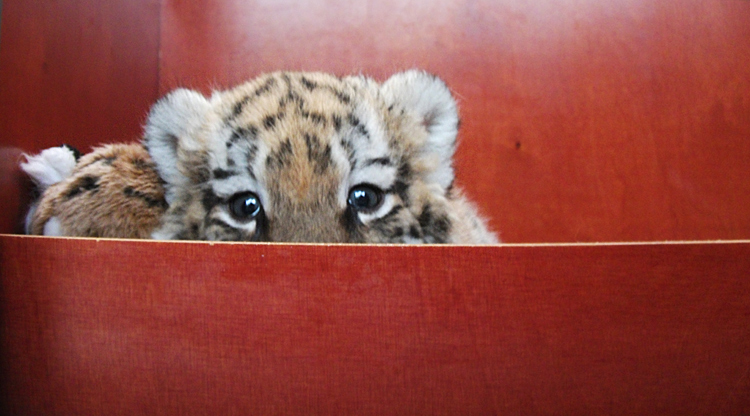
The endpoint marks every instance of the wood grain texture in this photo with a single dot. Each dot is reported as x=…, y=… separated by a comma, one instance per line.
x=15, y=191
x=310, y=329
x=82, y=72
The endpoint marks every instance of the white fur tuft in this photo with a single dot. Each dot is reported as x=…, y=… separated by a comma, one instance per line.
x=431, y=102
x=50, y=166
x=46, y=169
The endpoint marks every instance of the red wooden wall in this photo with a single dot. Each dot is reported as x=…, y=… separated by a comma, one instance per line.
x=583, y=120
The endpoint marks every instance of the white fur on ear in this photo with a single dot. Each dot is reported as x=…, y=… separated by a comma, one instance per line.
x=430, y=101
x=172, y=128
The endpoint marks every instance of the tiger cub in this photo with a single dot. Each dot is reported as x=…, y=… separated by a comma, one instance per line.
x=294, y=157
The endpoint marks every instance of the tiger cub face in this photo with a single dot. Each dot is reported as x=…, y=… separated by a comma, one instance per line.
x=309, y=157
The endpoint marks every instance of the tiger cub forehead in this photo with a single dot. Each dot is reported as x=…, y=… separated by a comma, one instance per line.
x=305, y=138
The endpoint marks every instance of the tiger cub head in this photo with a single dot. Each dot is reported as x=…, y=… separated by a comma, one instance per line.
x=308, y=157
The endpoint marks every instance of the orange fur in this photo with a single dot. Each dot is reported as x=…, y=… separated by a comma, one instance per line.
x=114, y=191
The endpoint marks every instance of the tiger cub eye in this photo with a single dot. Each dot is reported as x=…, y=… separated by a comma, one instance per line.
x=245, y=206
x=365, y=198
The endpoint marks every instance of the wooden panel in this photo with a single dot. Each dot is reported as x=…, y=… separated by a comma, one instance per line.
x=79, y=72
x=14, y=191
x=583, y=120
x=82, y=72
x=310, y=329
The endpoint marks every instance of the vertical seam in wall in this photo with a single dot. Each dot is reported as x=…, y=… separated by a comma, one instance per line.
x=1, y=19
x=160, y=35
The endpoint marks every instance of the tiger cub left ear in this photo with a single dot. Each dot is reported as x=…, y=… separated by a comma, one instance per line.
x=428, y=99
x=174, y=136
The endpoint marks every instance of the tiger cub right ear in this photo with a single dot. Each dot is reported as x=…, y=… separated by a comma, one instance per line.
x=174, y=136
x=430, y=102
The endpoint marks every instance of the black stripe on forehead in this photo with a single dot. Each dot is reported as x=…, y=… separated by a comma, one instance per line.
x=239, y=106
x=281, y=157
x=310, y=85
x=317, y=118
x=343, y=97
x=242, y=144
x=246, y=133
x=266, y=87
x=291, y=97
x=317, y=154
x=313, y=145
x=358, y=126
x=269, y=122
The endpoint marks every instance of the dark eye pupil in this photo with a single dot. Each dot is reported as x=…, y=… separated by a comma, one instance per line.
x=365, y=197
x=244, y=206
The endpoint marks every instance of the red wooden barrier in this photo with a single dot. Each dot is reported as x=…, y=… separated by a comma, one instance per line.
x=122, y=327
